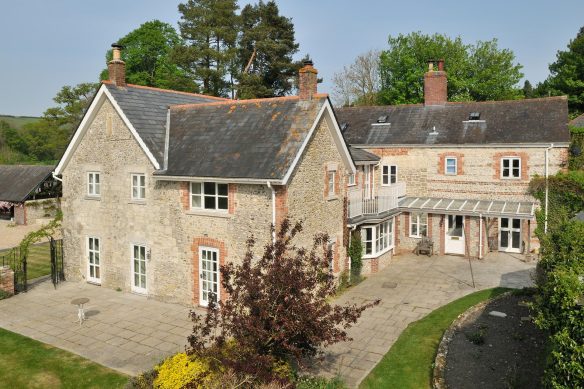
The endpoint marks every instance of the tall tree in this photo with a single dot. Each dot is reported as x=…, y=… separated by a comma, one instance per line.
x=528, y=91
x=567, y=75
x=358, y=83
x=147, y=53
x=265, y=49
x=209, y=28
x=475, y=72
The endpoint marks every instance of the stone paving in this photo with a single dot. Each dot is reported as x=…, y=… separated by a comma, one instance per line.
x=123, y=331
x=410, y=288
x=130, y=333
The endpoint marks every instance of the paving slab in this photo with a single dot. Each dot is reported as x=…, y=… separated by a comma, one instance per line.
x=422, y=284
x=123, y=331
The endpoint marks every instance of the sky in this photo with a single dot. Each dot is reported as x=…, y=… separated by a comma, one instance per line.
x=45, y=45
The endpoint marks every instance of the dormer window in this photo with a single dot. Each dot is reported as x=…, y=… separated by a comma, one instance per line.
x=474, y=116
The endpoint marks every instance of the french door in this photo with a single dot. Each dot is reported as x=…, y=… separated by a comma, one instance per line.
x=93, y=260
x=510, y=235
x=454, y=243
x=208, y=275
x=139, y=269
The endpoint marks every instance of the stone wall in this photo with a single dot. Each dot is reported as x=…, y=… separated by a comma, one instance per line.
x=39, y=210
x=421, y=168
x=308, y=198
x=19, y=214
x=6, y=280
x=160, y=222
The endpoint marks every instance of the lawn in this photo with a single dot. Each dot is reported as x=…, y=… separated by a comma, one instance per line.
x=27, y=363
x=409, y=362
x=38, y=263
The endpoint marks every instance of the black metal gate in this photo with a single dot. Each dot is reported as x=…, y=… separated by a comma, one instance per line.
x=57, y=271
x=17, y=263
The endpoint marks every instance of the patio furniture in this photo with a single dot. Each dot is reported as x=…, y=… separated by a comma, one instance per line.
x=80, y=302
x=425, y=245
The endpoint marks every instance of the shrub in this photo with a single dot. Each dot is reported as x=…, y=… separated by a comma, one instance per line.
x=278, y=309
x=307, y=382
x=142, y=381
x=356, y=255
x=181, y=370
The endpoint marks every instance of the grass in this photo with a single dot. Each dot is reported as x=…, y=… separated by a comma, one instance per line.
x=409, y=362
x=27, y=363
x=38, y=263
x=17, y=122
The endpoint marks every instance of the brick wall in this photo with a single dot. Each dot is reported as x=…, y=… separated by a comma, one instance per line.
x=7, y=280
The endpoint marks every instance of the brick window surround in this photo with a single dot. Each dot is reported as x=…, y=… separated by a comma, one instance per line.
x=459, y=163
x=523, y=157
x=185, y=197
x=212, y=243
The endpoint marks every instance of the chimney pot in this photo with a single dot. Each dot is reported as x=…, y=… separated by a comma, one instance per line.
x=307, y=80
x=116, y=67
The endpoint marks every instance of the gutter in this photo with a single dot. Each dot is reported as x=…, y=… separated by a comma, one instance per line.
x=545, y=224
x=56, y=178
x=269, y=184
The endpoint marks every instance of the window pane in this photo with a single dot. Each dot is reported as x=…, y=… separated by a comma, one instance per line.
x=97, y=178
x=505, y=162
x=209, y=188
x=516, y=223
x=142, y=193
x=96, y=244
x=223, y=189
x=223, y=203
x=423, y=230
x=210, y=202
x=196, y=188
x=504, y=222
x=393, y=169
x=196, y=201
x=506, y=172
x=414, y=229
x=516, y=163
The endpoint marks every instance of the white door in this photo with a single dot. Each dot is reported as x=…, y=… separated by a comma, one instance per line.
x=454, y=243
x=208, y=275
x=93, y=260
x=139, y=269
x=510, y=235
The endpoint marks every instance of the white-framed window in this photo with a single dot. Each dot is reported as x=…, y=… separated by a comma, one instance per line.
x=139, y=256
x=209, y=195
x=138, y=186
x=418, y=225
x=388, y=174
x=511, y=167
x=377, y=239
x=93, y=184
x=367, y=187
x=351, y=180
x=451, y=166
x=93, y=259
x=332, y=175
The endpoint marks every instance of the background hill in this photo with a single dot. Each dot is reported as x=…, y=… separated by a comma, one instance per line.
x=17, y=122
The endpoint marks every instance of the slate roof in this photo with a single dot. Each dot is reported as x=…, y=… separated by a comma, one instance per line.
x=360, y=155
x=253, y=139
x=18, y=181
x=578, y=121
x=146, y=109
x=515, y=121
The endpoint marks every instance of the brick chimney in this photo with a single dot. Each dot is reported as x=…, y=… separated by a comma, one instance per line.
x=435, y=84
x=116, y=67
x=307, y=80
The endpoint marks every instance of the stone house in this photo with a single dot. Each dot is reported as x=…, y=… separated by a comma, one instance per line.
x=161, y=187
x=457, y=173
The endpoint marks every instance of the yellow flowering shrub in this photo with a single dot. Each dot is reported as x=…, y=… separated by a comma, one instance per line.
x=179, y=370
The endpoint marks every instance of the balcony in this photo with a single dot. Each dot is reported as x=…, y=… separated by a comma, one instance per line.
x=386, y=199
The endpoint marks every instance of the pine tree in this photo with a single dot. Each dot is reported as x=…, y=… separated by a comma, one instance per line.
x=528, y=92
x=210, y=29
x=265, y=51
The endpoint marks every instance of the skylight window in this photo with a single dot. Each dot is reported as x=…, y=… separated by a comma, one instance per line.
x=382, y=119
x=474, y=116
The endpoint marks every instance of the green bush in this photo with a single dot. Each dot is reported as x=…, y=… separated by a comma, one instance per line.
x=356, y=255
x=308, y=382
x=560, y=283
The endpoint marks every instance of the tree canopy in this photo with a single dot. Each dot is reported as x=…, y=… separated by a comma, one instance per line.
x=567, y=75
x=147, y=54
x=209, y=29
x=264, y=52
x=476, y=72
x=358, y=83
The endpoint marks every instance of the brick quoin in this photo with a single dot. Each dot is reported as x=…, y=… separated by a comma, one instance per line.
x=459, y=163
x=407, y=224
x=184, y=195
x=232, y=190
x=336, y=256
x=396, y=232
x=430, y=226
x=523, y=156
x=212, y=243
x=281, y=205
x=388, y=152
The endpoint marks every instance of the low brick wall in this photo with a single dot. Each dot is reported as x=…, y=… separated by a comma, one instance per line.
x=6, y=280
